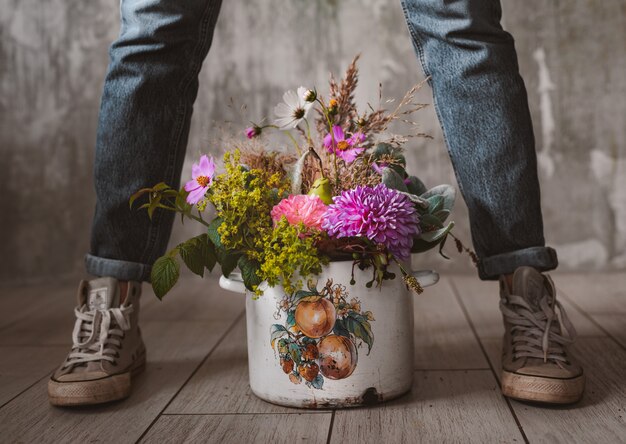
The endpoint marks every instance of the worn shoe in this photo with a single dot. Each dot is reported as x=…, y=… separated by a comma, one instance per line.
x=107, y=349
x=535, y=362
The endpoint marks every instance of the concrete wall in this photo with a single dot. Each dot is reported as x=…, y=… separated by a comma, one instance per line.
x=53, y=56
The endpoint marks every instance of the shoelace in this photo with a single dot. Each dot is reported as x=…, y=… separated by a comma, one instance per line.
x=535, y=335
x=97, y=334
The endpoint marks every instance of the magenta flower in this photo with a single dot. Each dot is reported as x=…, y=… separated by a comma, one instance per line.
x=201, y=179
x=303, y=208
x=253, y=131
x=346, y=148
x=381, y=214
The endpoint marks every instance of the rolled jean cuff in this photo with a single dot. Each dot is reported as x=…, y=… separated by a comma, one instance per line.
x=121, y=270
x=541, y=258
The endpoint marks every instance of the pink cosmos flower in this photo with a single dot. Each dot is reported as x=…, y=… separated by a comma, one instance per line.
x=346, y=148
x=201, y=179
x=301, y=208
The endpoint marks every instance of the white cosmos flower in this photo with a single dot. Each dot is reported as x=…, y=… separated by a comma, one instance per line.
x=294, y=109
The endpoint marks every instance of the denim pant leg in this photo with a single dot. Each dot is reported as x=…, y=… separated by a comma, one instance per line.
x=482, y=106
x=147, y=101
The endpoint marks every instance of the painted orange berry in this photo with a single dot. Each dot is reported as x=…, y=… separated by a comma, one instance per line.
x=309, y=371
x=315, y=318
x=338, y=356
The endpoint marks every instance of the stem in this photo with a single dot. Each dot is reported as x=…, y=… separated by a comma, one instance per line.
x=308, y=132
x=332, y=138
x=293, y=140
x=295, y=143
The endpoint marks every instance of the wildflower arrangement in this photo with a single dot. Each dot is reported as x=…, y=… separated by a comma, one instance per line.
x=340, y=191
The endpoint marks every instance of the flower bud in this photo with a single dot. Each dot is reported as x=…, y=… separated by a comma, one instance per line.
x=310, y=95
x=253, y=131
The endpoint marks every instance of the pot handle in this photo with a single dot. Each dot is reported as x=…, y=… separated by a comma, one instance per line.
x=233, y=283
x=426, y=278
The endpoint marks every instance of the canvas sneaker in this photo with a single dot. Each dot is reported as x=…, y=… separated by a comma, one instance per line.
x=107, y=350
x=536, y=365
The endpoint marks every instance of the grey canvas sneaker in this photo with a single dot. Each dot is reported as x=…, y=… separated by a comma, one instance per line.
x=107, y=348
x=536, y=365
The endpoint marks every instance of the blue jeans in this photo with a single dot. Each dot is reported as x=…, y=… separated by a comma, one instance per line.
x=479, y=95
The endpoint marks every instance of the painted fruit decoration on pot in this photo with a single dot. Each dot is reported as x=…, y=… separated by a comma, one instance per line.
x=322, y=335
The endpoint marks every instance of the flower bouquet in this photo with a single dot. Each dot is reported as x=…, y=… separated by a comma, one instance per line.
x=338, y=195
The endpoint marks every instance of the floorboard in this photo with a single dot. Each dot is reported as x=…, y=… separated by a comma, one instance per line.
x=444, y=406
x=238, y=429
x=443, y=337
x=195, y=388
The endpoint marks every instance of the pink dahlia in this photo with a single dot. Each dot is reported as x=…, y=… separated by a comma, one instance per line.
x=380, y=214
x=346, y=148
x=303, y=208
x=201, y=179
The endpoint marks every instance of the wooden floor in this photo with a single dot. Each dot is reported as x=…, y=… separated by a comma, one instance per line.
x=195, y=388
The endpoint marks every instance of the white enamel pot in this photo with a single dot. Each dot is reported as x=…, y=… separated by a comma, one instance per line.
x=333, y=344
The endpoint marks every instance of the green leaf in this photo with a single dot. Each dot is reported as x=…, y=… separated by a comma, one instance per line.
x=442, y=215
x=318, y=382
x=360, y=327
x=213, y=234
x=435, y=203
x=415, y=185
x=154, y=204
x=433, y=236
x=207, y=251
x=340, y=328
x=430, y=220
x=431, y=239
x=291, y=318
x=164, y=275
x=137, y=195
x=276, y=331
x=249, y=272
x=191, y=254
x=393, y=180
x=295, y=352
x=447, y=192
x=381, y=149
x=160, y=187
x=229, y=263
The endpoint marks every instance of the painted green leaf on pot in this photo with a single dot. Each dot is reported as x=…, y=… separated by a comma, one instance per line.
x=277, y=331
x=360, y=327
x=318, y=382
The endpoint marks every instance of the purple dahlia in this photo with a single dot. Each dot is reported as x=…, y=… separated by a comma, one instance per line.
x=381, y=214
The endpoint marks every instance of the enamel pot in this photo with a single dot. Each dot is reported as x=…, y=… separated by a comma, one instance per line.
x=333, y=343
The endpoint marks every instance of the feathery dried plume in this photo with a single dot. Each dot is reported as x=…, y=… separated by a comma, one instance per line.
x=270, y=161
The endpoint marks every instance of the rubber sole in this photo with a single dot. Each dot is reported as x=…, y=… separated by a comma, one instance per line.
x=540, y=389
x=112, y=388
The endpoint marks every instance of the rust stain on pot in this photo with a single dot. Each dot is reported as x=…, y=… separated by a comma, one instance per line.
x=369, y=397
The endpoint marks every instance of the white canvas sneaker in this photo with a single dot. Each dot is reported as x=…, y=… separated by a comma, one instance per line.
x=107, y=349
x=536, y=365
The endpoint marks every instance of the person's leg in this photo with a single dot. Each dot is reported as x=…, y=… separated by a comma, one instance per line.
x=145, y=114
x=147, y=101
x=482, y=106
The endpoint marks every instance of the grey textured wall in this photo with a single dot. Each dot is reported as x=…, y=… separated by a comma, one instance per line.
x=53, y=56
